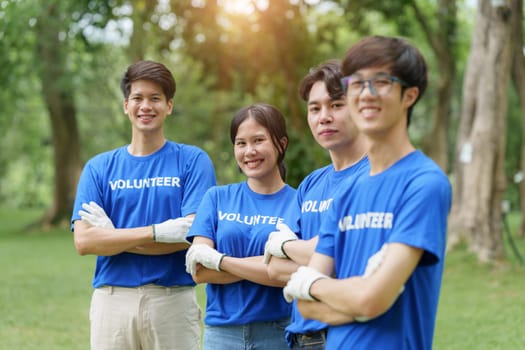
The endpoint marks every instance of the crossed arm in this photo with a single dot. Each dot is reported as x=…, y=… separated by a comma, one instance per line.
x=106, y=241
x=233, y=269
x=299, y=253
x=342, y=300
x=96, y=234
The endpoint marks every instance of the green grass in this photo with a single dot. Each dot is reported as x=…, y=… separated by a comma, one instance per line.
x=44, y=298
x=482, y=306
x=46, y=290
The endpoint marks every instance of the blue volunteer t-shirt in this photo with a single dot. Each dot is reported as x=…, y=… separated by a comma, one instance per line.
x=315, y=196
x=141, y=191
x=408, y=203
x=239, y=222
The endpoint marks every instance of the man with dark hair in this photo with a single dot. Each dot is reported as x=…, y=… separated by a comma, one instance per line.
x=133, y=208
x=375, y=276
x=333, y=129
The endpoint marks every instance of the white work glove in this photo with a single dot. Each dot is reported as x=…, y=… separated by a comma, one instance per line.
x=205, y=255
x=298, y=287
x=374, y=261
x=95, y=215
x=276, y=240
x=373, y=264
x=172, y=230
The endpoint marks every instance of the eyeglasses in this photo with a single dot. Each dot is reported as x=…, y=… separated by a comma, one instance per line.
x=380, y=85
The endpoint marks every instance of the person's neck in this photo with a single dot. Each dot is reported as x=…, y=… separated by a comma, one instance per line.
x=143, y=144
x=267, y=185
x=385, y=152
x=349, y=155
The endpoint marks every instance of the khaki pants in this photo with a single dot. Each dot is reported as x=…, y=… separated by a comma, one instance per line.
x=145, y=318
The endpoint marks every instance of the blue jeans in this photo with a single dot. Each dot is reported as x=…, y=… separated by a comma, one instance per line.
x=251, y=336
x=309, y=341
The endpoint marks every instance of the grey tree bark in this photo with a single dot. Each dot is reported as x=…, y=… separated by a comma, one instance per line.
x=479, y=185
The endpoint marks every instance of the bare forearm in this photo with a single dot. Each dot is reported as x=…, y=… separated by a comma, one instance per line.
x=374, y=294
x=300, y=251
x=158, y=248
x=281, y=269
x=322, y=312
x=355, y=296
x=106, y=242
x=250, y=268
x=205, y=275
x=346, y=296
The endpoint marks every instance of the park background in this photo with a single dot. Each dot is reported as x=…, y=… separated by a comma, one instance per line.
x=60, y=104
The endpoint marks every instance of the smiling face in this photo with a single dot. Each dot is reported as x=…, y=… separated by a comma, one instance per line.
x=147, y=107
x=378, y=115
x=329, y=119
x=255, y=152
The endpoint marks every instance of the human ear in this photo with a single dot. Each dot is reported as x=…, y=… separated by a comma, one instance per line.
x=284, y=142
x=410, y=96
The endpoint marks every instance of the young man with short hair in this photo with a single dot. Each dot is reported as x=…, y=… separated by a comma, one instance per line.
x=333, y=129
x=384, y=241
x=133, y=209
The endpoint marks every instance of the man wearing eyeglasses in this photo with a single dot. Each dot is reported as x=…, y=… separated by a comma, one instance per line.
x=376, y=274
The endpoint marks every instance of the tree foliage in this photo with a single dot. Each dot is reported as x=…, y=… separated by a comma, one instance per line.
x=62, y=103
x=51, y=60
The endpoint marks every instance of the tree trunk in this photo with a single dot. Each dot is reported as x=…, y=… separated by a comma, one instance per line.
x=59, y=100
x=282, y=35
x=442, y=42
x=137, y=43
x=518, y=77
x=480, y=180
